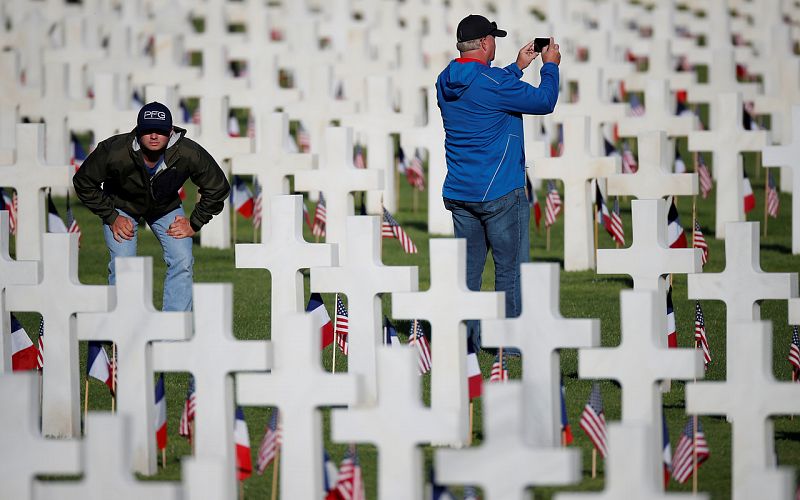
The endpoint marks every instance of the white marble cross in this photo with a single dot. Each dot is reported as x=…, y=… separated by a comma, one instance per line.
x=211, y=355
x=742, y=285
x=132, y=325
x=106, y=458
x=660, y=66
x=659, y=114
x=205, y=478
x=787, y=155
x=446, y=305
x=298, y=386
x=284, y=252
x=504, y=465
x=338, y=178
x=362, y=277
x=727, y=141
x=654, y=179
x=539, y=332
x=272, y=162
x=12, y=272
x=592, y=103
x=576, y=167
x=634, y=466
x=649, y=257
x=397, y=425
x=57, y=297
x=377, y=123
x=749, y=396
x=29, y=175
x=168, y=66
x=25, y=453
x=78, y=50
x=431, y=137
x=642, y=359
x=110, y=113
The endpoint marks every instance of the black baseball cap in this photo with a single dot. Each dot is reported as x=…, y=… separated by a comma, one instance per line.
x=474, y=26
x=154, y=117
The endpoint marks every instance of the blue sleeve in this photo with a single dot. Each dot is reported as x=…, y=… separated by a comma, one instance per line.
x=512, y=95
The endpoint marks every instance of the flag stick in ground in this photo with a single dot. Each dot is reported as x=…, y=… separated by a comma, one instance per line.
x=548, y=238
x=414, y=338
x=471, y=408
x=758, y=165
x=335, y=334
x=594, y=463
x=241, y=490
x=85, y=404
x=275, y=466
x=163, y=458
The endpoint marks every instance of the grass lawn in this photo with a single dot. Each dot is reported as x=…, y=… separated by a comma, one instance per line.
x=583, y=295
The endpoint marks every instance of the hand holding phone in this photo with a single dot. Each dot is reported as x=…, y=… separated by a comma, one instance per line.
x=540, y=43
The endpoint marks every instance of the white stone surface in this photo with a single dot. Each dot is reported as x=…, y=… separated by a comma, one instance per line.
x=659, y=115
x=57, y=297
x=726, y=141
x=106, y=462
x=504, y=465
x=787, y=155
x=132, y=325
x=654, y=178
x=298, y=386
x=742, y=285
x=576, y=167
x=649, y=258
x=30, y=174
x=749, y=396
x=642, y=359
x=660, y=67
x=211, y=355
x=110, y=113
x=25, y=453
x=396, y=425
x=204, y=478
x=338, y=178
x=539, y=332
x=446, y=305
x=362, y=277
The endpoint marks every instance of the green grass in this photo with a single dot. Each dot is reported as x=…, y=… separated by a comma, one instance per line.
x=583, y=295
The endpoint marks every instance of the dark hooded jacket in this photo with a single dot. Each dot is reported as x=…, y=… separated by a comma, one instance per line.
x=114, y=176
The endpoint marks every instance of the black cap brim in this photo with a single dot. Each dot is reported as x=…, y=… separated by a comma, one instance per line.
x=498, y=33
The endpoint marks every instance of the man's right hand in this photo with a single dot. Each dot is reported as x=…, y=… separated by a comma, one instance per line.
x=551, y=53
x=122, y=228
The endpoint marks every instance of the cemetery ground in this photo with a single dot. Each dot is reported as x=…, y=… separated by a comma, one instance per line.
x=583, y=295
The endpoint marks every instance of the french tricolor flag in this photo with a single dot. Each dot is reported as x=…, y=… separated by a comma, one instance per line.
x=675, y=234
x=321, y=317
x=98, y=366
x=161, y=414
x=749, y=197
x=672, y=332
x=242, y=198
x=244, y=463
x=474, y=376
x=23, y=353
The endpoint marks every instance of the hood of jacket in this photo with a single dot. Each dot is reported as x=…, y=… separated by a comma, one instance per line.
x=456, y=78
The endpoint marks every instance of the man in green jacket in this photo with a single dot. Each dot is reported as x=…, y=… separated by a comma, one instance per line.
x=137, y=176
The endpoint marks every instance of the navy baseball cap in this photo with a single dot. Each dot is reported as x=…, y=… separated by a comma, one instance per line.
x=154, y=117
x=474, y=26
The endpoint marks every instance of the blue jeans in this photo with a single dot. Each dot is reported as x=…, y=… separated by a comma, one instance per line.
x=177, y=256
x=501, y=225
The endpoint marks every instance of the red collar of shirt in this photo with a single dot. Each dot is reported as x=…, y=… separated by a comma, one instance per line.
x=463, y=60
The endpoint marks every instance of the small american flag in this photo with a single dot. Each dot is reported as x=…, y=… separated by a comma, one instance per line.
x=72, y=224
x=258, y=197
x=390, y=228
x=683, y=459
x=417, y=338
x=629, y=163
x=700, y=337
x=40, y=356
x=593, y=420
x=637, y=109
x=270, y=444
x=342, y=325
x=358, y=157
x=706, y=182
x=187, y=417
x=10, y=204
x=350, y=485
x=415, y=175
x=794, y=353
x=615, y=225
x=773, y=200
x=699, y=241
x=499, y=373
x=552, y=204
x=320, y=217
x=303, y=139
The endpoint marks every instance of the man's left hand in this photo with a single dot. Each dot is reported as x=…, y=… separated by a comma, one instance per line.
x=526, y=55
x=180, y=228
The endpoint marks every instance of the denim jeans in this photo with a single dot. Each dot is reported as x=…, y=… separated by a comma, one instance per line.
x=501, y=225
x=177, y=256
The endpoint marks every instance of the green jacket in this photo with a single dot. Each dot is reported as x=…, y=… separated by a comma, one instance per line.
x=114, y=176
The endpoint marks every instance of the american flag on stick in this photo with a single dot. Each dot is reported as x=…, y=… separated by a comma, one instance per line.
x=320, y=217
x=773, y=200
x=699, y=241
x=700, y=337
x=499, y=370
x=415, y=175
x=794, y=353
x=187, y=417
x=689, y=444
x=417, y=338
x=342, y=325
x=270, y=444
x=615, y=225
x=552, y=204
x=593, y=421
x=704, y=176
x=392, y=229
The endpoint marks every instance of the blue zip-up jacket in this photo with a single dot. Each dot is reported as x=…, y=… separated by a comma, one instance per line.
x=482, y=110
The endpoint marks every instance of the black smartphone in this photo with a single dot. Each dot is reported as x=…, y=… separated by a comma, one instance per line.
x=540, y=43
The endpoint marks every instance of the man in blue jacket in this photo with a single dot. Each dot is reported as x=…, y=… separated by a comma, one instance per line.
x=482, y=108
